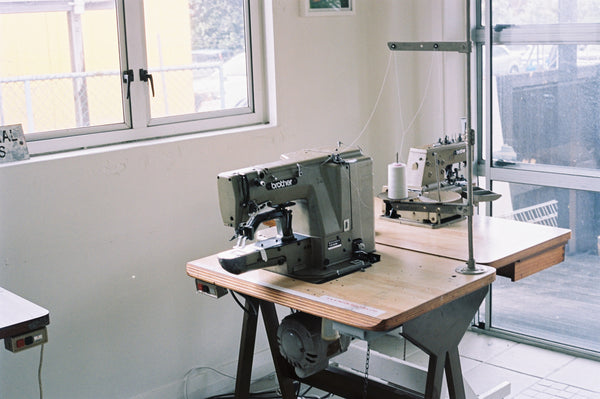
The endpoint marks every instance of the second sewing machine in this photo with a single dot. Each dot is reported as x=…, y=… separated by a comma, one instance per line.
x=436, y=187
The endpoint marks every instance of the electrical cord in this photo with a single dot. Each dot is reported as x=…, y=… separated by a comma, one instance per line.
x=197, y=369
x=387, y=70
x=405, y=130
x=40, y=372
x=254, y=310
x=274, y=394
x=270, y=394
x=265, y=395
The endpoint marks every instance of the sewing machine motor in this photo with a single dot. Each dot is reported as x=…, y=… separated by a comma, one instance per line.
x=330, y=195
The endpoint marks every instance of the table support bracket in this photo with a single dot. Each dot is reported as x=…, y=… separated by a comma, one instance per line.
x=438, y=334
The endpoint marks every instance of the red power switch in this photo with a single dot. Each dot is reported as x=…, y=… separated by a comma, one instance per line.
x=27, y=340
x=210, y=289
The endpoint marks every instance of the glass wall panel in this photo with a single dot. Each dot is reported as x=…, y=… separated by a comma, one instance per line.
x=560, y=303
x=546, y=102
x=544, y=11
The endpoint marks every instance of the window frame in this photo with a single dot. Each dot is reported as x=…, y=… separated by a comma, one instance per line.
x=485, y=36
x=138, y=125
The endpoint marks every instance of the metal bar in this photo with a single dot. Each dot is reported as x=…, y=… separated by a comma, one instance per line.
x=29, y=107
x=438, y=207
x=390, y=369
x=470, y=143
x=566, y=33
x=456, y=386
x=282, y=368
x=72, y=75
x=222, y=86
x=57, y=76
x=80, y=94
x=163, y=75
x=435, y=376
x=2, y=122
x=459, y=47
x=471, y=267
x=246, y=354
x=479, y=158
x=14, y=7
x=465, y=48
x=487, y=93
x=540, y=343
x=546, y=177
x=350, y=385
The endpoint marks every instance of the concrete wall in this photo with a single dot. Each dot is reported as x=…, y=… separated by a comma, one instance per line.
x=101, y=237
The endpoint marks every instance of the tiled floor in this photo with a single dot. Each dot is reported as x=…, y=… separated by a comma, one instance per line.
x=532, y=372
x=487, y=362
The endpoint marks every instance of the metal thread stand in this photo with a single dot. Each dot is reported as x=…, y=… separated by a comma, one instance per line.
x=460, y=47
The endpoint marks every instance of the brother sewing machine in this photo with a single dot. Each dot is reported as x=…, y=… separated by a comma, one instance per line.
x=437, y=187
x=329, y=193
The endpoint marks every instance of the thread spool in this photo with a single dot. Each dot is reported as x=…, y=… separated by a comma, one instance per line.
x=397, y=188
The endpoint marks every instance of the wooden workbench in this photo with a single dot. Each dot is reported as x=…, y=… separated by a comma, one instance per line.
x=515, y=249
x=403, y=285
x=420, y=292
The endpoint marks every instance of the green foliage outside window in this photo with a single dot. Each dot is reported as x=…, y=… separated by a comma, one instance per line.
x=217, y=24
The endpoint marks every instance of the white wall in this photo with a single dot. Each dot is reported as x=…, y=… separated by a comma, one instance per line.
x=101, y=238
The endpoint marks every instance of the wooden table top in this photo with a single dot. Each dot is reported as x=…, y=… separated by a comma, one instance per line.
x=403, y=285
x=496, y=242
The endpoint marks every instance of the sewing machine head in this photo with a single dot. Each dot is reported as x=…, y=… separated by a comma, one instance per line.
x=329, y=194
x=440, y=164
x=437, y=186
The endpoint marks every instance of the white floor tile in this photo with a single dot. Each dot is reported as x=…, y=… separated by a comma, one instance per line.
x=420, y=358
x=482, y=347
x=531, y=360
x=533, y=373
x=467, y=364
x=485, y=377
x=582, y=373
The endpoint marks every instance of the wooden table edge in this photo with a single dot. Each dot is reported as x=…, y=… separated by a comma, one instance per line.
x=320, y=309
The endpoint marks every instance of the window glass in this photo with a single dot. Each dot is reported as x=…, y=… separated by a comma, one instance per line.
x=60, y=65
x=543, y=110
x=530, y=12
x=546, y=100
x=200, y=64
x=560, y=299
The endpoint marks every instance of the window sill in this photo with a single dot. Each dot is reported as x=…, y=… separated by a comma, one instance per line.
x=36, y=157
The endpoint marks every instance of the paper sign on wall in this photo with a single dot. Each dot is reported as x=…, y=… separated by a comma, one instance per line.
x=13, y=146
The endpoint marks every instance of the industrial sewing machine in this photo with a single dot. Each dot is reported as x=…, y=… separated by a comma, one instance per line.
x=437, y=187
x=329, y=193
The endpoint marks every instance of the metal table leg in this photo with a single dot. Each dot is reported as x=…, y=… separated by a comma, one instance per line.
x=438, y=334
x=247, y=340
x=282, y=368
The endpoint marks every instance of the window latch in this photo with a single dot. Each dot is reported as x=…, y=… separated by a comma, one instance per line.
x=128, y=78
x=145, y=76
